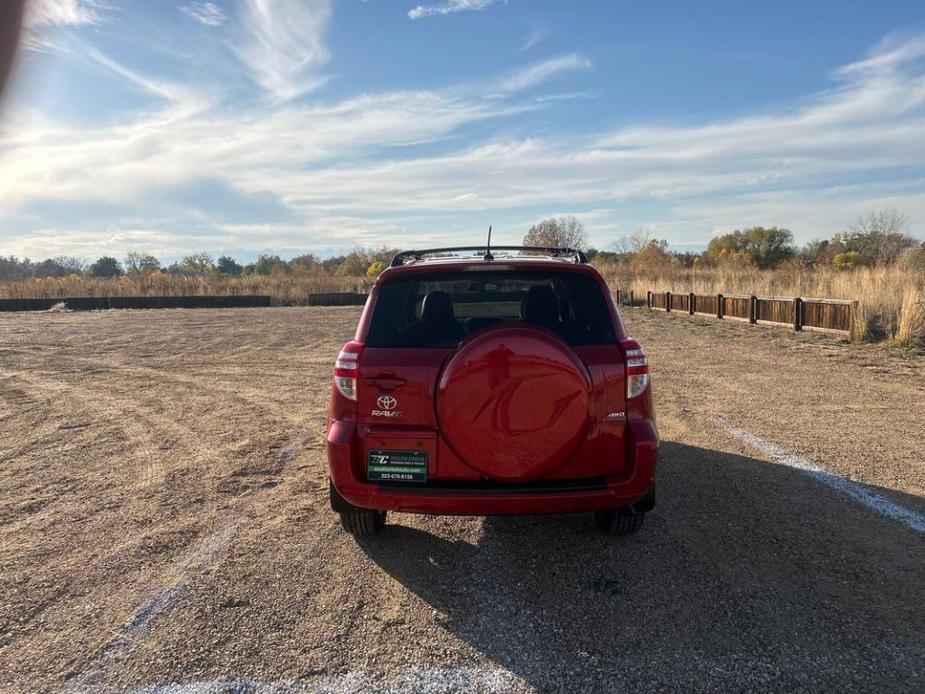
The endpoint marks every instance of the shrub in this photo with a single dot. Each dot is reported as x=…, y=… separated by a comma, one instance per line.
x=848, y=259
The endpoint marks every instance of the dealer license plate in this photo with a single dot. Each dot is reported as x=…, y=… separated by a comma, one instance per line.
x=396, y=466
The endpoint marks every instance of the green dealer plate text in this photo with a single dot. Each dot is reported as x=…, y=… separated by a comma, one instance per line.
x=396, y=466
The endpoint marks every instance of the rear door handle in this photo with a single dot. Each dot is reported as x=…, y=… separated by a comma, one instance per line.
x=385, y=382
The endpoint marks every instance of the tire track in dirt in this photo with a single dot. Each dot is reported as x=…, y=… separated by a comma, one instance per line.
x=164, y=375
x=144, y=430
x=146, y=423
x=226, y=447
x=23, y=407
x=195, y=561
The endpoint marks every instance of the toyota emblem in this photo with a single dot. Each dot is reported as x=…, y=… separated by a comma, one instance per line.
x=387, y=402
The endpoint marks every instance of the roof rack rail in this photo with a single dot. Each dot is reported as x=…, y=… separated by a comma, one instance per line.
x=578, y=256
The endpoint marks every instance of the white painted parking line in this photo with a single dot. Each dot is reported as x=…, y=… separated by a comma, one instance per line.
x=854, y=490
x=417, y=679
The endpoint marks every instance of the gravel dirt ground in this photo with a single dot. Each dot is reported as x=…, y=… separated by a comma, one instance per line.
x=164, y=524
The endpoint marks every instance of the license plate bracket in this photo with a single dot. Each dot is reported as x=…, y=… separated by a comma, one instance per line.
x=396, y=466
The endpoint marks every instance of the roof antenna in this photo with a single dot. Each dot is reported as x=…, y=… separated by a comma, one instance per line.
x=488, y=255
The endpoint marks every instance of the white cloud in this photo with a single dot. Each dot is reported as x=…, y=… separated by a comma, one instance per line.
x=248, y=145
x=534, y=38
x=537, y=73
x=449, y=7
x=183, y=98
x=43, y=17
x=892, y=52
x=206, y=13
x=283, y=45
x=351, y=168
x=51, y=242
x=63, y=12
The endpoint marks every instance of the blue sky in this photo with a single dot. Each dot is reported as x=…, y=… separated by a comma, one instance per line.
x=289, y=126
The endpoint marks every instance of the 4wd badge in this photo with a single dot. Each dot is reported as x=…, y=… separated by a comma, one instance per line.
x=387, y=405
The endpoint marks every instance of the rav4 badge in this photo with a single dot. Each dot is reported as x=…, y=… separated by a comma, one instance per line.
x=387, y=405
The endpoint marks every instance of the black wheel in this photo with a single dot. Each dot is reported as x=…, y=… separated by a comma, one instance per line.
x=363, y=522
x=619, y=521
x=359, y=522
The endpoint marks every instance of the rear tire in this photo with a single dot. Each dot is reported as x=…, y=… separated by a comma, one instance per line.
x=359, y=522
x=626, y=520
x=618, y=522
x=363, y=522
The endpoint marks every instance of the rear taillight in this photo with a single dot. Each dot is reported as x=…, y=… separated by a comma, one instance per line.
x=346, y=368
x=637, y=369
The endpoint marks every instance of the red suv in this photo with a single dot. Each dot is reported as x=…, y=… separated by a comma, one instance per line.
x=491, y=382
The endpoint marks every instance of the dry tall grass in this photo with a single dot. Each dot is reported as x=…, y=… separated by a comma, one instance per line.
x=291, y=289
x=912, y=318
x=891, y=300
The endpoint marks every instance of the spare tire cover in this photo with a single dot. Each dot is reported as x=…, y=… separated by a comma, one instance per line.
x=513, y=402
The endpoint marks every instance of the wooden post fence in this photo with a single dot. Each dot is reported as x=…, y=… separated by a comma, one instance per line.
x=800, y=313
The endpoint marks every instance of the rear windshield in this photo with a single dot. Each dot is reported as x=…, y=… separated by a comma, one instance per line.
x=440, y=309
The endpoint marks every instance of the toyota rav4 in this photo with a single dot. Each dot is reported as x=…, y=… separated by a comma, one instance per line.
x=495, y=381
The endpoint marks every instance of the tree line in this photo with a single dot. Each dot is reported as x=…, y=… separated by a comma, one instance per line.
x=875, y=239
x=358, y=263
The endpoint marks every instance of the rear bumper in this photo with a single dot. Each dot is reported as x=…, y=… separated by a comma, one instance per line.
x=449, y=499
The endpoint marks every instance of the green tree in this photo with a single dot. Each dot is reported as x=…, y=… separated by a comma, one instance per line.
x=106, y=266
x=355, y=264
x=270, y=265
x=331, y=264
x=766, y=247
x=226, y=265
